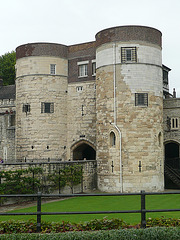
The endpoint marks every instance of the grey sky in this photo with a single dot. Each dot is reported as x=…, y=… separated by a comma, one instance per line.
x=69, y=22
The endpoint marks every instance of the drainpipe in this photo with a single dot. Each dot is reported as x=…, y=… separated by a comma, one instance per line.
x=115, y=116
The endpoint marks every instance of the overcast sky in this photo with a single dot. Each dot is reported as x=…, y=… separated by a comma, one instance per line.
x=76, y=21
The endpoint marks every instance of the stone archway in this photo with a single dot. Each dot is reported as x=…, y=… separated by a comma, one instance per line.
x=83, y=150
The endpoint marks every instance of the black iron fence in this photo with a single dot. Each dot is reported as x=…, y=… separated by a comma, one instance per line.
x=39, y=197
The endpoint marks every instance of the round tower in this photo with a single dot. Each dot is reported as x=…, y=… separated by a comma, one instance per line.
x=41, y=102
x=129, y=108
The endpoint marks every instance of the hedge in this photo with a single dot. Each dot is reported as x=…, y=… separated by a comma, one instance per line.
x=157, y=233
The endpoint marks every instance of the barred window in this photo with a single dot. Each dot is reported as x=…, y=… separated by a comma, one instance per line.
x=47, y=107
x=141, y=99
x=26, y=108
x=52, y=69
x=128, y=54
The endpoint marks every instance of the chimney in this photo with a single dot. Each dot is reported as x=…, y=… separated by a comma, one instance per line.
x=174, y=93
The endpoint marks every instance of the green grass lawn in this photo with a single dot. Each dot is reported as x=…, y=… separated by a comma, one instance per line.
x=103, y=203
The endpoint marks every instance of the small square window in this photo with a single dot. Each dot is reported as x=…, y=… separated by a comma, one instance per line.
x=53, y=69
x=128, y=54
x=26, y=108
x=47, y=107
x=141, y=99
x=79, y=89
x=83, y=70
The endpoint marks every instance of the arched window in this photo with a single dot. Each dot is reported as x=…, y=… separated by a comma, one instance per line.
x=160, y=139
x=112, y=139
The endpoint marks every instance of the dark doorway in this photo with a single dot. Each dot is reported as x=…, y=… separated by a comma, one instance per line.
x=84, y=151
x=172, y=166
x=171, y=150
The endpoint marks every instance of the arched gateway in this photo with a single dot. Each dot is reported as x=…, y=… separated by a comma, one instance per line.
x=83, y=150
x=172, y=165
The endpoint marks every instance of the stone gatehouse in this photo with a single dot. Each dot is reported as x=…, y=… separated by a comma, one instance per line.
x=106, y=100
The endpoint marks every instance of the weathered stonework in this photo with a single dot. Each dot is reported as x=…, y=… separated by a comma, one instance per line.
x=94, y=116
x=139, y=126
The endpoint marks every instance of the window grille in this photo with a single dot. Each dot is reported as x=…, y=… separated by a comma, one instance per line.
x=128, y=54
x=141, y=99
x=26, y=108
x=47, y=107
x=53, y=69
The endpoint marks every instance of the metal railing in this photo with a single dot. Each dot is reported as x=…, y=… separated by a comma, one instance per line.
x=39, y=197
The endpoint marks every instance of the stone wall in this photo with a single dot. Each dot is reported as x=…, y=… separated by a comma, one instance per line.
x=81, y=114
x=88, y=183
x=171, y=110
x=7, y=130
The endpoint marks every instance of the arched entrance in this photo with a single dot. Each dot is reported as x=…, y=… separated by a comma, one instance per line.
x=172, y=154
x=83, y=150
x=172, y=166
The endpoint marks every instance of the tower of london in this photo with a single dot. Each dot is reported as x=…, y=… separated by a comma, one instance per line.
x=106, y=100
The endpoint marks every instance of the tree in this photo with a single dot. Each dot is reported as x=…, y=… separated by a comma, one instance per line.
x=7, y=68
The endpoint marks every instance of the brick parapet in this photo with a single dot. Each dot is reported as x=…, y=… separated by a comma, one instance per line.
x=41, y=49
x=129, y=33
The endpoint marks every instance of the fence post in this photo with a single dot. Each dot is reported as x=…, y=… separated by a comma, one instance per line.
x=82, y=178
x=143, y=209
x=59, y=181
x=39, y=212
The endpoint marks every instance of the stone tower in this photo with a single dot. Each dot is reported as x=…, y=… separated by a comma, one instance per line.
x=41, y=93
x=129, y=107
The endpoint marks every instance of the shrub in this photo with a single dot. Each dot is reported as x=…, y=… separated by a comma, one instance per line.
x=163, y=222
x=29, y=226
x=124, y=234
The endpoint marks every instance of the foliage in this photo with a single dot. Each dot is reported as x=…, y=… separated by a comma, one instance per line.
x=66, y=230
x=21, y=181
x=7, y=68
x=70, y=175
x=163, y=222
x=132, y=234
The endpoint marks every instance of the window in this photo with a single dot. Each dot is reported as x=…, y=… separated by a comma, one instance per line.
x=165, y=77
x=47, y=107
x=174, y=123
x=141, y=99
x=112, y=139
x=93, y=68
x=128, y=54
x=11, y=120
x=53, y=69
x=26, y=108
x=83, y=70
x=79, y=89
